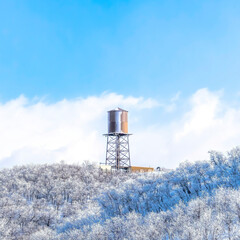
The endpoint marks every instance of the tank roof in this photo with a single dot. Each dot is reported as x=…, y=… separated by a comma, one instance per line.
x=118, y=109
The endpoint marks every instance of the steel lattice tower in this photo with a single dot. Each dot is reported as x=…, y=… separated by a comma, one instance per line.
x=117, y=152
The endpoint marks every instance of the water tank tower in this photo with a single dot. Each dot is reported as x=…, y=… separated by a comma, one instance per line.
x=117, y=154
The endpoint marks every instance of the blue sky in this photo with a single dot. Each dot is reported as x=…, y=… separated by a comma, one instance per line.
x=68, y=49
x=173, y=64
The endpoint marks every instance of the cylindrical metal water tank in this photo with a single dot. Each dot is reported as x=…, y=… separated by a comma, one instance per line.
x=118, y=121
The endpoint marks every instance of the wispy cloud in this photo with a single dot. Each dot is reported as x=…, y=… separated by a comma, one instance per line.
x=208, y=124
x=71, y=130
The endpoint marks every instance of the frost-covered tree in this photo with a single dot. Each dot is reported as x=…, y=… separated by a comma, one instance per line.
x=197, y=200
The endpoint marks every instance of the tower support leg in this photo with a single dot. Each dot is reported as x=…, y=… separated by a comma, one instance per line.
x=117, y=153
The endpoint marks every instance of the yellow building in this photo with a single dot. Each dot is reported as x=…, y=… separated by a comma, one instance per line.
x=141, y=169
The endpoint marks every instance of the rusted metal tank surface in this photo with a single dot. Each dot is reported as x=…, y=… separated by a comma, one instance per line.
x=118, y=121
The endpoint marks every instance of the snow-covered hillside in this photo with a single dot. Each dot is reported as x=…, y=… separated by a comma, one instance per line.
x=196, y=201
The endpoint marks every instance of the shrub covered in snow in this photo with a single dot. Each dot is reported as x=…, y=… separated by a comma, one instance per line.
x=198, y=200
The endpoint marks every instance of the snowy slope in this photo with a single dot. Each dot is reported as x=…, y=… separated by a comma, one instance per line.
x=59, y=201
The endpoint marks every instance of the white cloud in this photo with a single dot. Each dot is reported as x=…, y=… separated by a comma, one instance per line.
x=71, y=130
x=209, y=124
